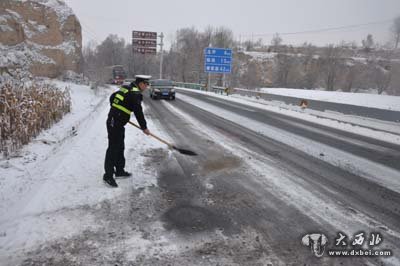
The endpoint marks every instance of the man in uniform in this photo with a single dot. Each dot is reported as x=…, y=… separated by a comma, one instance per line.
x=123, y=102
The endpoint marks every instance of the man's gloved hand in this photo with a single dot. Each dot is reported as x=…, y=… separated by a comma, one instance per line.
x=146, y=131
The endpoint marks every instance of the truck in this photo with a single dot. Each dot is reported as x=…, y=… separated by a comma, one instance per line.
x=114, y=74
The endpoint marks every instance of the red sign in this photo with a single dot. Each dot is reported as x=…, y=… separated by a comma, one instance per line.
x=144, y=43
x=144, y=35
x=144, y=50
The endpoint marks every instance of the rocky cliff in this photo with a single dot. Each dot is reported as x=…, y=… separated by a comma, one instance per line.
x=41, y=36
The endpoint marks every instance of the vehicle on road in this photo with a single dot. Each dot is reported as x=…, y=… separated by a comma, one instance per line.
x=115, y=74
x=162, y=89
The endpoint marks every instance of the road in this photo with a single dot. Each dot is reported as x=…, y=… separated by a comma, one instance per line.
x=270, y=189
x=260, y=183
x=348, y=109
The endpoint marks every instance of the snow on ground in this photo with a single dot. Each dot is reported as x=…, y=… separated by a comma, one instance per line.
x=344, y=121
x=62, y=10
x=360, y=99
x=373, y=171
x=62, y=169
x=373, y=128
x=283, y=184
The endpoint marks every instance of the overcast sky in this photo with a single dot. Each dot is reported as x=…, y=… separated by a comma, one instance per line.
x=248, y=19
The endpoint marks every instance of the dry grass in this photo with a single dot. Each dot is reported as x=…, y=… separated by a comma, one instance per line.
x=26, y=110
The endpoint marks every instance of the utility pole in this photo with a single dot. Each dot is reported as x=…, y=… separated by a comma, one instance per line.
x=208, y=76
x=161, y=53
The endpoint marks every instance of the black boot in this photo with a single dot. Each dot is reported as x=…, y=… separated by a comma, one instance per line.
x=122, y=174
x=109, y=181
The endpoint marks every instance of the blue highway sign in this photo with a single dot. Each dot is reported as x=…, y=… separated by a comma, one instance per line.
x=217, y=60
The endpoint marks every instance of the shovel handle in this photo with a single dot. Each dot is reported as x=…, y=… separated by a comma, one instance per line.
x=154, y=136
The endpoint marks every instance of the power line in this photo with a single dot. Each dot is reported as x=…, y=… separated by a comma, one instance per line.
x=86, y=29
x=325, y=29
x=91, y=36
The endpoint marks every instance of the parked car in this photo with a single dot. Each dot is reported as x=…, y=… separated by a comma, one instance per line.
x=162, y=88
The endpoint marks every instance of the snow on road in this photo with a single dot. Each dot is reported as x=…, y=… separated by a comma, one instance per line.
x=44, y=188
x=62, y=169
x=286, y=185
x=373, y=171
x=381, y=130
x=386, y=102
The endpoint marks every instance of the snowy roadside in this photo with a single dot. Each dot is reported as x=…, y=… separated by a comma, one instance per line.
x=287, y=185
x=382, y=130
x=386, y=102
x=61, y=170
x=370, y=170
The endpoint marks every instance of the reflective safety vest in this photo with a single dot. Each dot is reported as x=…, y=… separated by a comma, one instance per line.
x=118, y=101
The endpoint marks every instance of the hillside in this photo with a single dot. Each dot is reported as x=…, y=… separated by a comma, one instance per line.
x=330, y=68
x=40, y=36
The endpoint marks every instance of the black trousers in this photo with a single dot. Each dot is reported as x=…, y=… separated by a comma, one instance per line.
x=115, y=159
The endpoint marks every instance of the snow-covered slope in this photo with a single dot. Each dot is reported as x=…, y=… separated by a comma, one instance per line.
x=42, y=36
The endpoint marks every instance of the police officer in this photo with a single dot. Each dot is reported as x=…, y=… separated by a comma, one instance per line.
x=123, y=102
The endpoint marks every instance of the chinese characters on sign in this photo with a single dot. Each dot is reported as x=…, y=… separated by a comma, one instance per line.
x=144, y=42
x=217, y=60
x=358, y=239
x=144, y=50
x=144, y=35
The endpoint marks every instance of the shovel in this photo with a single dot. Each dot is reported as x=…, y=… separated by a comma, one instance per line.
x=183, y=151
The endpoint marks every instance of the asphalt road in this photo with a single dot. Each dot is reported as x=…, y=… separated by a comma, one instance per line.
x=270, y=191
x=348, y=109
x=246, y=199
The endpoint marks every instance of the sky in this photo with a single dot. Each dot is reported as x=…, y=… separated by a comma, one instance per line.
x=249, y=20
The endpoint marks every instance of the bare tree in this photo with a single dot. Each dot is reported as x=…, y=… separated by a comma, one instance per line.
x=351, y=75
x=382, y=77
x=394, y=87
x=311, y=67
x=222, y=38
x=331, y=63
x=276, y=41
x=90, y=61
x=171, y=63
x=284, y=66
x=368, y=43
x=252, y=77
x=249, y=45
x=396, y=31
x=111, y=50
x=188, y=50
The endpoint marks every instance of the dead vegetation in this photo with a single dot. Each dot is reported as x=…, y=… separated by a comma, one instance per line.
x=27, y=109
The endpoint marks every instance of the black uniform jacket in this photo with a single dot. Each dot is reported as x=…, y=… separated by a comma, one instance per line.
x=133, y=102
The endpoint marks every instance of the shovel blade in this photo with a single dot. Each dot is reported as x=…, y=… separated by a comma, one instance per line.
x=186, y=152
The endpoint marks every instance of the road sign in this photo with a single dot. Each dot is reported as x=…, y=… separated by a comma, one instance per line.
x=144, y=50
x=144, y=42
x=144, y=35
x=217, y=60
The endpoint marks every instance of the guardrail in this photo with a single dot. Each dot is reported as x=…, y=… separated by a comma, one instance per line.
x=195, y=86
x=221, y=90
x=347, y=109
x=203, y=87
